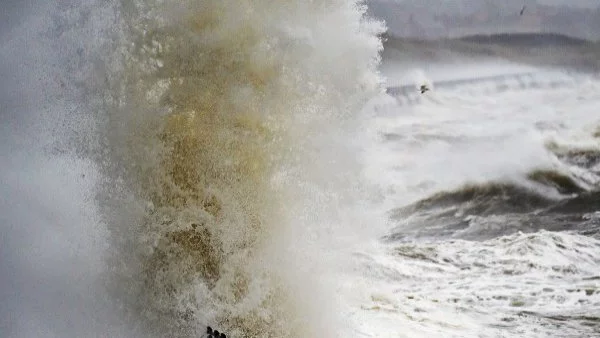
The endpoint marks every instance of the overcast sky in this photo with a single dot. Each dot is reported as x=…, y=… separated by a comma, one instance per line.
x=432, y=19
x=570, y=3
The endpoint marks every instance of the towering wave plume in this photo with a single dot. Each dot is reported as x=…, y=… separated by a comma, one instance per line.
x=214, y=117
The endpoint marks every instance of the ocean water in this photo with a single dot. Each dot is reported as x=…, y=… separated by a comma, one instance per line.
x=494, y=197
x=270, y=170
x=491, y=181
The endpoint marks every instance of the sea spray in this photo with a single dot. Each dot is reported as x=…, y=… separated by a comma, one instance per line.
x=216, y=117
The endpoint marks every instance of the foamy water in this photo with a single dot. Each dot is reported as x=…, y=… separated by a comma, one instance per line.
x=528, y=285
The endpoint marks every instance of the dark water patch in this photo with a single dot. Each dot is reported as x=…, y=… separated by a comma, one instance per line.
x=526, y=39
x=583, y=203
x=488, y=199
x=480, y=212
x=590, y=321
x=584, y=158
x=477, y=228
x=562, y=183
x=591, y=278
x=418, y=253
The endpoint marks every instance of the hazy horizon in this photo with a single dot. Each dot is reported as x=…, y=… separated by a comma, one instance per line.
x=432, y=19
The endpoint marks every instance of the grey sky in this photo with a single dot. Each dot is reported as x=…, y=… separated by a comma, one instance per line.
x=450, y=18
x=569, y=3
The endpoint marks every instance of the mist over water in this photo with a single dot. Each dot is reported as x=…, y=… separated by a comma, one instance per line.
x=53, y=243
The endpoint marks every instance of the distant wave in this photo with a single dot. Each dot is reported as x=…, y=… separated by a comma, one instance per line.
x=526, y=39
x=538, y=49
x=482, y=211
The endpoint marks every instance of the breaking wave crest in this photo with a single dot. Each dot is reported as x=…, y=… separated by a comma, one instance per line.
x=213, y=117
x=558, y=199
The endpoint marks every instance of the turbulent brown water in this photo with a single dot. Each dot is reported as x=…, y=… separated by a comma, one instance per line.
x=205, y=104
